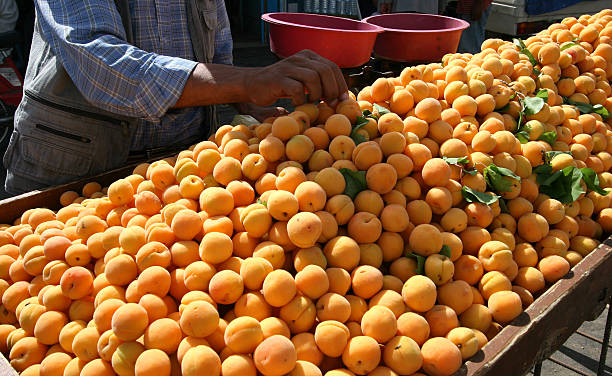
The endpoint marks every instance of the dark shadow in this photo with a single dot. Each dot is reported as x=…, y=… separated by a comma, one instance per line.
x=569, y=275
x=521, y=320
x=478, y=357
x=583, y=359
x=462, y=371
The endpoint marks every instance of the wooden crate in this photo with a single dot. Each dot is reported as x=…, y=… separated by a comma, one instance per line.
x=533, y=336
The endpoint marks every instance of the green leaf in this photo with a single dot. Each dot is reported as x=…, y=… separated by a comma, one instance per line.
x=522, y=136
x=572, y=44
x=587, y=108
x=575, y=176
x=549, y=137
x=549, y=179
x=533, y=105
x=562, y=185
x=445, y=251
x=494, y=177
x=503, y=206
x=470, y=172
x=521, y=45
x=381, y=110
x=471, y=195
x=592, y=181
x=358, y=138
x=355, y=182
x=543, y=93
x=456, y=161
x=506, y=107
x=542, y=169
x=523, y=49
x=361, y=122
x=602, y=111
x=420, y=260
x=366, y=113
x=264, y=203
x=504, y=171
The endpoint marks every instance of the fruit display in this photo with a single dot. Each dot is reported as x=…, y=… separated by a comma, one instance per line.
x=395, y=233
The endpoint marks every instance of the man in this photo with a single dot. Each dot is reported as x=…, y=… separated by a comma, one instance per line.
x=111, y=80
x=8, y=15
x=476, y=12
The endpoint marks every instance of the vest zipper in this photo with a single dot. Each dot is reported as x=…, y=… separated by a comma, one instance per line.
x=74, y=111
x=60, y=133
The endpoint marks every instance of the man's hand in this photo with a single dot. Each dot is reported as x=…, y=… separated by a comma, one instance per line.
x=293, y=77
x=289, y=78
x=258, y=112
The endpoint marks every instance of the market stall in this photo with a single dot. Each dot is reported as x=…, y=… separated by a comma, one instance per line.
x=449, y=218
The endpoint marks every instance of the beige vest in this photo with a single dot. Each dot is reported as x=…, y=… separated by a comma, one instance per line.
x=59, y=136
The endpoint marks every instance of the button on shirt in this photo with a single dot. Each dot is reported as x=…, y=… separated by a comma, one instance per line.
x=144, y=81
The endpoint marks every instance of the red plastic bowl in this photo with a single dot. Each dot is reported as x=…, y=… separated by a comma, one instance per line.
x=414, y=37
x=346, y=42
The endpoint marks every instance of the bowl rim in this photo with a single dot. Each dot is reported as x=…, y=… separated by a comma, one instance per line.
x=268, y=17
x=464, y=25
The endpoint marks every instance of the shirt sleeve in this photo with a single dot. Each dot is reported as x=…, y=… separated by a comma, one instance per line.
x=223, y=36
x=88, y=38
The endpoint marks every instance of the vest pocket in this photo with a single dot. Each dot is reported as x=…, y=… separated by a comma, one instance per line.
x=53, y=146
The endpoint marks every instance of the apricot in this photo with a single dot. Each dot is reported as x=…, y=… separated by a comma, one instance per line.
x=553, y=268
x=505, y=306
x=306, y=348
x=413, y=325
x=129, y=322
x=440, y=357
x=331, y=180
x=243, y=335
x=457, y=295
x=402, y=355
x=381, y=178
x=333, y=306
x=124, y=358
x=275, y=356
x=361, y=355
x=366, y=281
x=199, y=319
x=312, y=281
x=152, y=362
x=425, y=240
x=532, y=227
x=304, y=229
x=419, y=293
x=215, y=247
x=239, y=365
x=163, y=334
x=379, y=322
x=342, y=252
x=331, y=337
x=439, y=268
x=226, y=287
x=305, y=368
x=428, y=109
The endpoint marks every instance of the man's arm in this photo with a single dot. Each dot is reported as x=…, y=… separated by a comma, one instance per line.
x=293, y=77
x=88, y=38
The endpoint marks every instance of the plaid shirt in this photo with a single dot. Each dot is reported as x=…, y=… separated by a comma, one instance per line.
x=145, y=81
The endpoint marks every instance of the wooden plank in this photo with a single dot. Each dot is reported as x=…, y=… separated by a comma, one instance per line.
x=11, y=208
x=550, y=320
